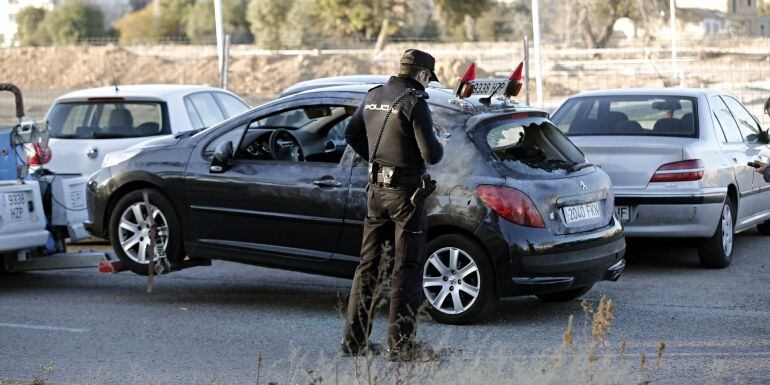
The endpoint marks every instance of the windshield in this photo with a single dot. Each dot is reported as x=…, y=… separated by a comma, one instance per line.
x=120, y=119
x=531, y=146
x=647, y=115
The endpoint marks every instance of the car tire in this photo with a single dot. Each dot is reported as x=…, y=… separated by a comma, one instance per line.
x=717, y=252
x=764, y=228
x=565, y=295
x=128, y=235
x=439, y=279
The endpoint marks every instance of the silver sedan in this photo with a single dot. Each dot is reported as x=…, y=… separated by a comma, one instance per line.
x=679, y=162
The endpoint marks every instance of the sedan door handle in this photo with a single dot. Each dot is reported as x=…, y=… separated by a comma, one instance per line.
x=327, y=183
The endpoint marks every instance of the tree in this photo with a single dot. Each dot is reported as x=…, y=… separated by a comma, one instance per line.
x=160, y=19
x=31, y=28
x=268, y=20
x=200, y=25
x=72, y=21
x=303, y=25
x=362, y=18
x=461, y=14
x=508, y=22
x=596, y=18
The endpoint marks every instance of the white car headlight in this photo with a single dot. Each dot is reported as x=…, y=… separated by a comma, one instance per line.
x=117, y=157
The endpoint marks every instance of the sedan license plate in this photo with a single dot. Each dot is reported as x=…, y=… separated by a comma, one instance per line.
x=581, y=213
x=15, y=206
x=623, y=213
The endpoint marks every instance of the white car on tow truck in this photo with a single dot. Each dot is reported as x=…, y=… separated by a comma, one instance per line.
x=88, y=124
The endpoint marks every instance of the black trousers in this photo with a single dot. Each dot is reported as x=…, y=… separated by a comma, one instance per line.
x=388, y=208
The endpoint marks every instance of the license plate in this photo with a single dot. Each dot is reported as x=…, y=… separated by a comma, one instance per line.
x=485, y=87
x=623, y=213
x=581, y=213
x=15, y=204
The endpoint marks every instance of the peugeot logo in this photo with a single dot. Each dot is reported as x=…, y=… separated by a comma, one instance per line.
x=583, y=186
x=92, y=152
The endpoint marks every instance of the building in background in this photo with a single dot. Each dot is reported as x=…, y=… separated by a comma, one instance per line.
x=719, y=17
x=8, y=11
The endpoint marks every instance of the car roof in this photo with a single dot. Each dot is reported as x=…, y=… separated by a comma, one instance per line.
x=136, y=92
x=443, y=97
x=339, y=81
x=666, y=91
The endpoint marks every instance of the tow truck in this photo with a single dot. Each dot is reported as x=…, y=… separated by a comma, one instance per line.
x=39, y=210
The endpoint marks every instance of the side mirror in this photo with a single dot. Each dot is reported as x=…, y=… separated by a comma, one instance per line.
x=221, y=158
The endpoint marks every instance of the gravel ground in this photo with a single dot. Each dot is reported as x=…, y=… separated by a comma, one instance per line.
x=208, y=325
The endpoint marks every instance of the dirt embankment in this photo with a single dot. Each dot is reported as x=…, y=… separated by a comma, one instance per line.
x=253, y=76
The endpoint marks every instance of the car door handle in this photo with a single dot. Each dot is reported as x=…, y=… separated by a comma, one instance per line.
x=327, y=183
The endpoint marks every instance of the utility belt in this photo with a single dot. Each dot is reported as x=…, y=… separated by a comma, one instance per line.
x=394, y=177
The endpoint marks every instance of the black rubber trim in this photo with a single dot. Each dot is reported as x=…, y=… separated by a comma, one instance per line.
x=602, y=257
x=670, y=200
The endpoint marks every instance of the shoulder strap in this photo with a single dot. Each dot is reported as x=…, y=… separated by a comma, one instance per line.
x=385, y=121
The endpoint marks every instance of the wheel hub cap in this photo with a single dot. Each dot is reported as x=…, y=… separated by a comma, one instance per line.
x=134, y=231
x=451, y=280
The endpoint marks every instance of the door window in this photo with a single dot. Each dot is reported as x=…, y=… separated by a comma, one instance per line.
x=195, y=119
x=729, y=127
x=231, y=104
x=207, y=108
x=233, y=135
x=319, y=130
x=749, y=127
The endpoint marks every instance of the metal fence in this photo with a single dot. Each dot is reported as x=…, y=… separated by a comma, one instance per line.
x=739, y=66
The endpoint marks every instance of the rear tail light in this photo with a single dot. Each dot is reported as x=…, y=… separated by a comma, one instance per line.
x=684, y=171
x=511, y=204
x=40, y=155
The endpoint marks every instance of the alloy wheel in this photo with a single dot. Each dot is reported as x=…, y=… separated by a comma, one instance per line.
x=727, y=230
x=134, y=232
x=451, y=280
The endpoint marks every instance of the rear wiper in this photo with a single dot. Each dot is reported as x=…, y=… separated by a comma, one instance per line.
x=577, y=166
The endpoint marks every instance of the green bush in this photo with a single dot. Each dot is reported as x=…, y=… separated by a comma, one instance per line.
x=200, y=24
x=144, y=25
x=72, y=21
x=30, y=24
x=268, y=20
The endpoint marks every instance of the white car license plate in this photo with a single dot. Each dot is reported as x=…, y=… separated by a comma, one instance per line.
x=581, y=213
x=15, y=206
x=623, y=213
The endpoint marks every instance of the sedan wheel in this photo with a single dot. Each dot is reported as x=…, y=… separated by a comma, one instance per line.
x=458, y=280
x=717, y=251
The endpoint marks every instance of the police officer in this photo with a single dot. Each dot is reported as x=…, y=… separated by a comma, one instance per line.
x=393, y=131
x=763, y=167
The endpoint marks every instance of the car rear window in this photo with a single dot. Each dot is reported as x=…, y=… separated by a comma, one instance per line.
x=662, y=115
x=103, y=120
x=530, y=146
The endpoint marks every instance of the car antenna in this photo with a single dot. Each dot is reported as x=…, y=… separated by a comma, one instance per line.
x=662, y=79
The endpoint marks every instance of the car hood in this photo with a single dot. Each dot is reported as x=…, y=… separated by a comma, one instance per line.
x=161, y=141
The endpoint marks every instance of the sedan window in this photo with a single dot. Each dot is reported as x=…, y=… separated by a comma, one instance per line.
x=650, y=115
x=725, y=119
x=749, y=127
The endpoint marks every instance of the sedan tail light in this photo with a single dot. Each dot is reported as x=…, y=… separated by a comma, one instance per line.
x=684, y=171
x=40, y=156
x=511, y=204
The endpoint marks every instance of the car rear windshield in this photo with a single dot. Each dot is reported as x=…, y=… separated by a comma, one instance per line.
x=530, y=146
x=103, y=120
x=628, y=115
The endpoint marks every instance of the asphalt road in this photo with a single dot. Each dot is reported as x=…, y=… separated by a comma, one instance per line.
x=208, y=325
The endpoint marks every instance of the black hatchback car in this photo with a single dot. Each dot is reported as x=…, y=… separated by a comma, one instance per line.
x=518, y=210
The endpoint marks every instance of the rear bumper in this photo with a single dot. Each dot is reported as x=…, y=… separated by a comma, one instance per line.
x=23, y=240
x=672, y=215
x=538, y=262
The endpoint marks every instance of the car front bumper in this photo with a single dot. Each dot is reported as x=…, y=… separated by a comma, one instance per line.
x=675, y=216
